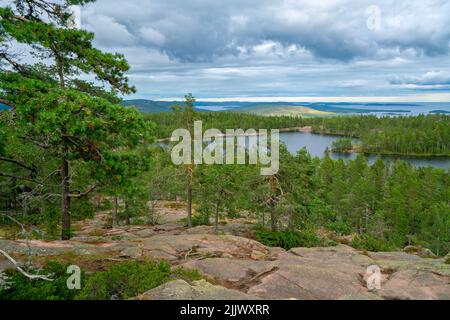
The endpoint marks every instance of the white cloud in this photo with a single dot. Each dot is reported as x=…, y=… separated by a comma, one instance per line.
x=108, y=32
x=264, y=47
x=430, y=78
x=152, y=36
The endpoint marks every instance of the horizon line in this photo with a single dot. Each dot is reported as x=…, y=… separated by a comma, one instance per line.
x=441, y=97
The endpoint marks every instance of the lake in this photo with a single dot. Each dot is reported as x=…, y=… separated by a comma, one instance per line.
x=316, y=145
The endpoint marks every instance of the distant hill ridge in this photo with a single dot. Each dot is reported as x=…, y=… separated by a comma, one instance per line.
x=149, y=106
x=269, y=109
x=282, y=110
x=275, y=108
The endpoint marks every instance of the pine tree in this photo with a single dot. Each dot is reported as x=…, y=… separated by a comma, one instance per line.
x=73, y=120
x=184, y=115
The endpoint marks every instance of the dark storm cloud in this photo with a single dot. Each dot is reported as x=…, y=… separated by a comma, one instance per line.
x=201, y=30
x=272, y=46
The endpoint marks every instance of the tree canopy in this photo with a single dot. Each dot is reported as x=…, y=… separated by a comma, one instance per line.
x=71, y=122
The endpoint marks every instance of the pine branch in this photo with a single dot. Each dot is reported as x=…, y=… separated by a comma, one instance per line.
x=20, y=164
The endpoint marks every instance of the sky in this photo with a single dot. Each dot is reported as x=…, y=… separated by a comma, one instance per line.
x=297, y=50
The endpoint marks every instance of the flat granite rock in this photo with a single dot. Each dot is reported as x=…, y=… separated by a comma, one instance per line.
x=241, y=268
x=303, y=281
x=416, y=285
x=181, y=247
x=232, y=273
x=328, y=273
x=57, y=247
x=405, y=261
x=198, y=290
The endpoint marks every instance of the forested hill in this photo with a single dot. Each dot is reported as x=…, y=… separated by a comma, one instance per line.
x=267, y=109
x=149, y=106
x=305, y=109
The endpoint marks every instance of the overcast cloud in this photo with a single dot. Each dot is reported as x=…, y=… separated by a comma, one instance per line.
x=254, y=48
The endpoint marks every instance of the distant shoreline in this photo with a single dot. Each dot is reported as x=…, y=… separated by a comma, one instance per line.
x=355, y=149
x=305, y=129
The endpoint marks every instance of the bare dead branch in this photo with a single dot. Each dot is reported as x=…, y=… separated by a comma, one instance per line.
x=22, y=271
x=82, y=194
x=14, y=262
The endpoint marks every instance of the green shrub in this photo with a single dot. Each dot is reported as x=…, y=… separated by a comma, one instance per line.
x=187, y=275
x=201, y=219
x=289, y=239
x=106, y=204
x=22, y=288
x=120, y=281
x=340, y=227
x=125, y=280
x=82, y=209
x=138, y=221
x=51, y=216
x=233, y=215
x=370, y=243
x=4, y=220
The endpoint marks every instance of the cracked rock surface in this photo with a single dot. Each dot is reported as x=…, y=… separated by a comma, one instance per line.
x=236, y=267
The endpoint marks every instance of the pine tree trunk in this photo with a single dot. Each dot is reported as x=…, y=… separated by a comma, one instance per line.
x=216, y=220
x=273, y=222
x=367, y=219
x=14, y=188
x=291, y=219
x=65, y=184
x=189, y=196
x=273, y=217
x=65, y=203
x=127, y=213
x=25, y=208
x=115, y=209
x=438, y=251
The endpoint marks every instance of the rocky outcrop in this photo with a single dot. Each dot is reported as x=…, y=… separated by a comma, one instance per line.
x=397, y=261
x=330, y=273
x=238, y=274
x=420, y=251
x=235, y=227
x=179, y=248
x=198, y=290
x=53, y=248
x=302, y=273
x=416, y=284
x=236, y=267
